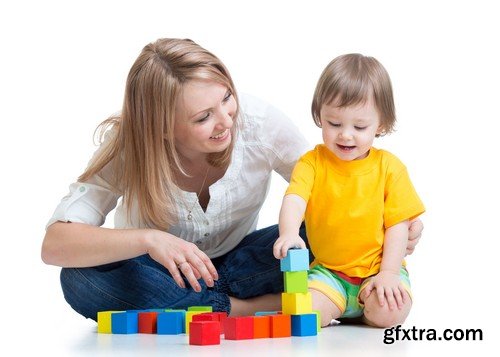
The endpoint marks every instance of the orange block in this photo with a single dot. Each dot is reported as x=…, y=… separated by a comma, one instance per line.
x=262, y=326
x=281, y=325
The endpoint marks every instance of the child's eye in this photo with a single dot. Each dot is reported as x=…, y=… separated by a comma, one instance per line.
x=360, y=127
x=336, y=125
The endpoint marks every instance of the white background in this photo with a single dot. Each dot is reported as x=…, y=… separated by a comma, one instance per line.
x=63, y=70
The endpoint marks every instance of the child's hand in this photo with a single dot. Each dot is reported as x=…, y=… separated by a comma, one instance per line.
x=388, y=287
x=286, y=242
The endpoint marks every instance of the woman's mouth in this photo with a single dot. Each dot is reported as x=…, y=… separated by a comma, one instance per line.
x=221, y=136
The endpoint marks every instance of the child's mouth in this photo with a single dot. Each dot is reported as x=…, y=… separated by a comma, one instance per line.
x=345, y=148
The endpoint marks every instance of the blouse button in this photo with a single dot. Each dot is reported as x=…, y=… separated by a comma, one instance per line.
x=82, y=188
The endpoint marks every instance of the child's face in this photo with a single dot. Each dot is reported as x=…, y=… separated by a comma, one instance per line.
x=349, y=132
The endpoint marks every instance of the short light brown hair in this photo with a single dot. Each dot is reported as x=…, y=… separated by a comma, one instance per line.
x=350, y=80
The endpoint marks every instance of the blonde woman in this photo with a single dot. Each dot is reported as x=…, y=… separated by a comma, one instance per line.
x=192, y=163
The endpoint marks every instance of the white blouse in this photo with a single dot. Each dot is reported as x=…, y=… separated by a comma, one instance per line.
x=267, y=141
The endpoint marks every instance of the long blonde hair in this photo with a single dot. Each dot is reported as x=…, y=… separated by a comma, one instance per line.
x=143, y=152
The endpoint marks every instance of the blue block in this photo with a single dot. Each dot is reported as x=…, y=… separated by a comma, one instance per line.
x=304, y=325
x=266, y=313
x=124, y=322
x=171, y=322
x=295, y=260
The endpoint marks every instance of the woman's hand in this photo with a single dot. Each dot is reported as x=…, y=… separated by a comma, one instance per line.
x=181, y=257
x=414, y=235
x=285, y=242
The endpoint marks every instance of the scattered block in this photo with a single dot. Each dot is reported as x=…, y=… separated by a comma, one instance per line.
x=262, y=326
x=200, y=308
x=295, y=260
x=266, y=313
x=204, y=333
x=304, y=325
x=238, y=328
x=318, y=319
x=124, y=322
x=171, y=322
x=189, y=318
x=147, y=322
x=281, y=325
x=212, y=316
x=104, y=321
x=296, y=303
x=295, y=281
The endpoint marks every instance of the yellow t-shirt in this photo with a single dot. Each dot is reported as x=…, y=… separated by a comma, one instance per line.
x=350, y=204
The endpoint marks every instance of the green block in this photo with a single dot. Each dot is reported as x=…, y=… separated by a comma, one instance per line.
x=318, y=319
x=200, y=308
x=295, y=281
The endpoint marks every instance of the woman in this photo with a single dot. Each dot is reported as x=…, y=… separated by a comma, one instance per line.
x=192, y=164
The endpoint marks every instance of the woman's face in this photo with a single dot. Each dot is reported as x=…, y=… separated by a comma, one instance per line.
x=203, y=118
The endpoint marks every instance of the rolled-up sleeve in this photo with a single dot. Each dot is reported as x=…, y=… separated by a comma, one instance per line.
x=89, y=202
x=85, y=203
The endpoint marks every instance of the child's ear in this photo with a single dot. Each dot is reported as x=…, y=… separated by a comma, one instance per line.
x=380, y=130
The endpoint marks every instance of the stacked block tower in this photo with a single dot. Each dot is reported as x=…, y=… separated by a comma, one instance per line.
x=296, y=301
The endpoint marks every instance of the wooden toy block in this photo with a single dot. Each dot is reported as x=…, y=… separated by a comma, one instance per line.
x=171, y=322
x=189, y=318
x=200, y=308
x=296, y=303
x=295, y=260
x=238, y=328
x=212, y=316
x=204, y=333
x=147, y=322
x=262, y=326
x=318, y=319
x=304, y=325
x=266, y=313
x=280, y=326
x=104, y=321
x=295, y=281
x=124, y=322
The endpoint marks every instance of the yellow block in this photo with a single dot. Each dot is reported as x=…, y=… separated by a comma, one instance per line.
x=296, y=303
x=104, y=321
x=189, y=318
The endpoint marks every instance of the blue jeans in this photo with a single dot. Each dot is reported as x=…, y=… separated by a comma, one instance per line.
x=141, y=283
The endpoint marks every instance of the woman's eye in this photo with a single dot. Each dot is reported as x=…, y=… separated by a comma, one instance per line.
x=201, y=120
x=228, y=95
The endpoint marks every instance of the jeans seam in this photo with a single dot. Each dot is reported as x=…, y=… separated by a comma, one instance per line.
x=103, y=292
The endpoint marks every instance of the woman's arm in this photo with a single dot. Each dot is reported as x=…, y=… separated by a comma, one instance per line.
x=83, y=245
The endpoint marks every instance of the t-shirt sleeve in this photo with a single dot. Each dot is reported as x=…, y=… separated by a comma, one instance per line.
x=302, y=180
x=401, y=199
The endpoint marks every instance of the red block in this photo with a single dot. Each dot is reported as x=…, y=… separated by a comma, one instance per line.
x=147, y=322
x=204, y=333
x=281, y=325
x=212, y=316
x=262, y=326
x=238, y=328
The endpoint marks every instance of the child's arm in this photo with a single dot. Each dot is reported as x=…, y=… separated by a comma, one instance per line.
x=387, y=282
x=291, y=216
